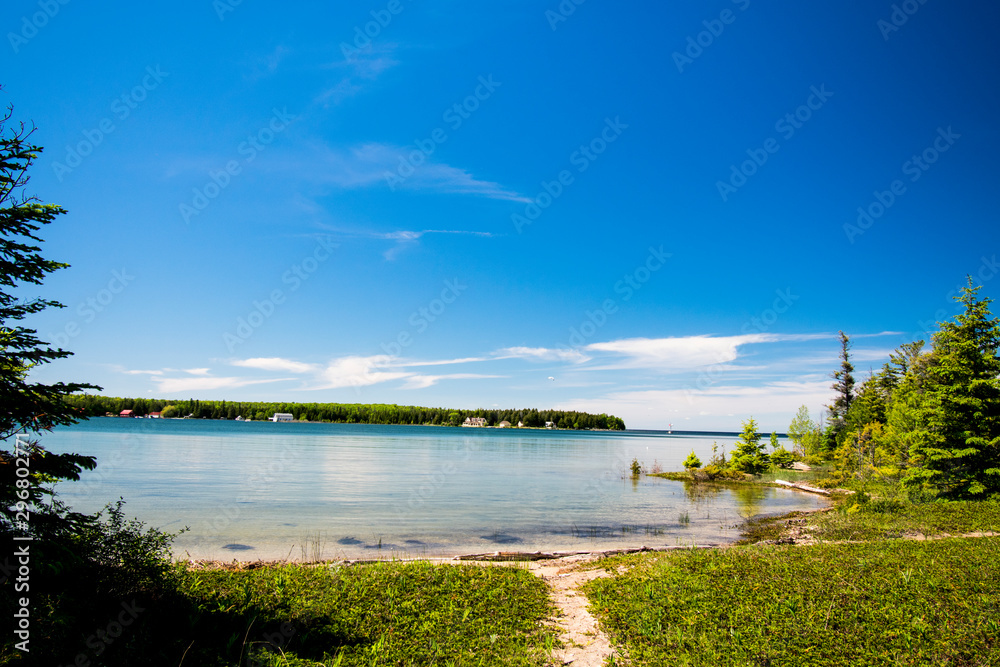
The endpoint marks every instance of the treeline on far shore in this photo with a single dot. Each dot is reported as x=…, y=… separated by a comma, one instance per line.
x=344, y=413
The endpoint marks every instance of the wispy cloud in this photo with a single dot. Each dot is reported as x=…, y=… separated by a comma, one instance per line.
x=406, y=239
x=262, y=66
x=370, y=165
x=714, y=407
x=424, y=381
x=675, y=353
x=359, y=70
x=542, y=354
x=441, y=362
x=275, y=364
x=174, y=385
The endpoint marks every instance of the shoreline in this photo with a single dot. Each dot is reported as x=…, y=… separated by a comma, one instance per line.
x=497, y=556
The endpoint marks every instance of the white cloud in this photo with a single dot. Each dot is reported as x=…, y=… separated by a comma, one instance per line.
x=441, y=362
x=173, y=385
x=196, y=371
x=424, y=381
x=275, y=364
x=542, y=354
x=772, y=405
x=676, y=353
x=356, y=371
x=368, y=165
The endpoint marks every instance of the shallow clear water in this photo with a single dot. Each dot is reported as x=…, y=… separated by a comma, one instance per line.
x=264, y=490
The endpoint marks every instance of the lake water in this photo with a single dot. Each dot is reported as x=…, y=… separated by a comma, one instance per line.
x=304, y=491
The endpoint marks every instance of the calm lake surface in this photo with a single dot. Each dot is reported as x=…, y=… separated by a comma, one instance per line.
x=303, y=491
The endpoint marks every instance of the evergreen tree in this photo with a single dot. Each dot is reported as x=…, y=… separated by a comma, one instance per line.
x=749, y=455
x=844, y=388
x=28, y=407
x=956, y=434
x=692, y=461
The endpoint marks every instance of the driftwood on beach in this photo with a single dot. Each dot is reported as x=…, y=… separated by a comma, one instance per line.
x=802, y=487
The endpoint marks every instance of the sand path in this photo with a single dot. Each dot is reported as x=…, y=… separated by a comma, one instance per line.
x=585, y=644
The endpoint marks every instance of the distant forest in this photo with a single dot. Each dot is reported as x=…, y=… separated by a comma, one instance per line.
x=342, y=413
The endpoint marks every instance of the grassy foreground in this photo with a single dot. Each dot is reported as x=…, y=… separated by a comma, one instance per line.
x=886, y=603
x=388, y=614
x=294, y=616
x=880, y=601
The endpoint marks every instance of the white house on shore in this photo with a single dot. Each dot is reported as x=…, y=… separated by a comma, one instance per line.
x=282, y=417
x=478, y=422
x=504, y=424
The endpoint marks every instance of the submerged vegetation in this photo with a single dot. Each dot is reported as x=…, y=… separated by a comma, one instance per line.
x=342, y=413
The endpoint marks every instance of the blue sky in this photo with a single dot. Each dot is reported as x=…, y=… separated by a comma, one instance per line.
x=648, y=209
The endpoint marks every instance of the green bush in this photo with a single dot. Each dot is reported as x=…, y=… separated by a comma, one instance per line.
x=782, y=458
x=123, y=557
x=692, y=461
x=716, y=473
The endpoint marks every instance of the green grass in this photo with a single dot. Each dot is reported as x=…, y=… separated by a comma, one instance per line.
x=908, y=519
x=384, y=614
x=294, y=615
x=882, y=603
x=767, y=478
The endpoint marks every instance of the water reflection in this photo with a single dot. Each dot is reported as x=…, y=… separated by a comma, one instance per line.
x=749, y=499
x=700, y=492
x=346, y=490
